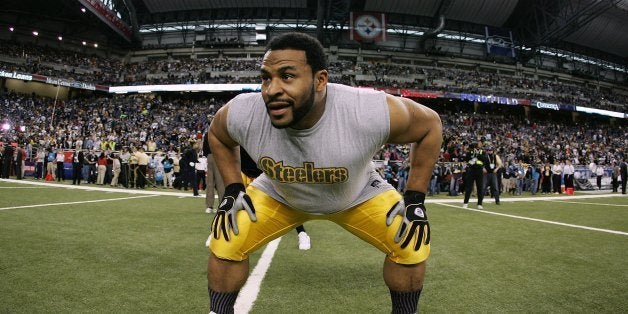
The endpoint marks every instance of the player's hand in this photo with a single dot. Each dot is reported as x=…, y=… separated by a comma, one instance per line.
x=415, y=220
x=235, y=199
x=191, y=164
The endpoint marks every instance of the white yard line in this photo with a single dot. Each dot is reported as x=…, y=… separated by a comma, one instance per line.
x=539, y=220
x=80, y=202
x=586, y=203
x=248, y=293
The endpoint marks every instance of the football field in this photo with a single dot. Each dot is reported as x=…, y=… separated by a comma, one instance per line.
x=69, y=250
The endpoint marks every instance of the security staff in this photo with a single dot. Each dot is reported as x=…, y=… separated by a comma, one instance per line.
x=476, y=159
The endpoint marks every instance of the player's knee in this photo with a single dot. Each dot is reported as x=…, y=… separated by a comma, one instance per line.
x=233, y=248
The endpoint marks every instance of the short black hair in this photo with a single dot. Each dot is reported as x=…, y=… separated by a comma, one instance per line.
x=314, y=52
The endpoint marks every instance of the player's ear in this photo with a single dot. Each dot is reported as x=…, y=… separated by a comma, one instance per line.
x=320, y=80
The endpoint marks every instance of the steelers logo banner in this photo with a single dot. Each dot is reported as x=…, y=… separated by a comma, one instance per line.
x=368, y=27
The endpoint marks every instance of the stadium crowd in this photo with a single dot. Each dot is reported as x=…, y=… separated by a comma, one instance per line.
x=164, y=127
x=55, y=62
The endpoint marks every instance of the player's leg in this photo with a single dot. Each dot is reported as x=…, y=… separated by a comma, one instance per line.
x=404, y=269
x=405, y=283
x=479, y=185
x=228, y=265
x=468, y=187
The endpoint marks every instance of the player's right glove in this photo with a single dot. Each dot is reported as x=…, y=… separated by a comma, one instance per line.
x=414, y=216
x=235, y=199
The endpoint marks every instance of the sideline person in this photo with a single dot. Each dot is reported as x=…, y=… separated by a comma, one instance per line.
x=292, y=129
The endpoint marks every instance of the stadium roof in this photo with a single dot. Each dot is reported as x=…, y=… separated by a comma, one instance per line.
x=600, y=25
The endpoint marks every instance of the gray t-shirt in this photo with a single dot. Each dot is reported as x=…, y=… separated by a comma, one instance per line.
x=323, y=169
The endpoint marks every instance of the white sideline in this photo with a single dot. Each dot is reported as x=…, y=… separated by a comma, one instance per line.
x=248, y=293
x=91, y=187
x=539, y=220
x=80, y=202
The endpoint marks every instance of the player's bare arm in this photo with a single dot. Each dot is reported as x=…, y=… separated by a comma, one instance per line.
x=411, y=122
x=224, y=148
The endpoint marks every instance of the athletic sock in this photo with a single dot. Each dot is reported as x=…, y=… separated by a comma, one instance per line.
x=300, y=229
x=222, y=302
x=405, y=302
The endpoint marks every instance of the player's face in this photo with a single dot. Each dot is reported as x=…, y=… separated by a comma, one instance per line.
x=289, y=89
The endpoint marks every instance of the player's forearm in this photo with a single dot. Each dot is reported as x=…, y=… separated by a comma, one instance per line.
x=423, y=156
x=227, y=160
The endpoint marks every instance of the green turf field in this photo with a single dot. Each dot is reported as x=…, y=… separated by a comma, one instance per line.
x=76, y=251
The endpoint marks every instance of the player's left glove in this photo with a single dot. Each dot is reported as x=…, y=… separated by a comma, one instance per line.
x=414, y=216
x=235, y=199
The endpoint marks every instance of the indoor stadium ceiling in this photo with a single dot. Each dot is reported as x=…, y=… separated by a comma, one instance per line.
x=604, y=29
x=597, y=24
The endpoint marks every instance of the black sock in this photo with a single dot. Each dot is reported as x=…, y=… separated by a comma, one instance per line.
x=405, y=302
x=222, y=302
x=300, y=229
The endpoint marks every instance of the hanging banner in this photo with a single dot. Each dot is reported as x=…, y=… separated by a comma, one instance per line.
x=368, y=27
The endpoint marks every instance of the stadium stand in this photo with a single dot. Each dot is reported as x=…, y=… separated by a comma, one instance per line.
x=521, y=133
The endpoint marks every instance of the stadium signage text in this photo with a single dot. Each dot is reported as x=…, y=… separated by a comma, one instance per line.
x=70, y=83
x=17, y=76
x=489, y=99
x=419, y=94
x=544, y=105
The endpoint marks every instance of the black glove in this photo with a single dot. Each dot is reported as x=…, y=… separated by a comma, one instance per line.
x=414, y=217
x=235, y=199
